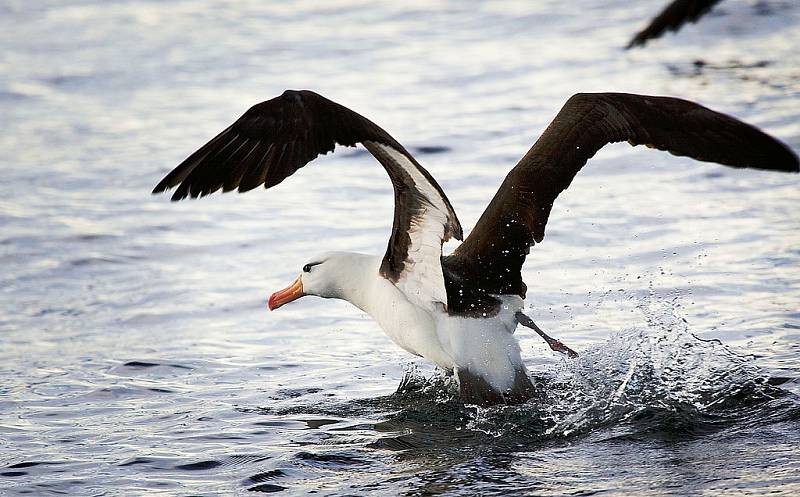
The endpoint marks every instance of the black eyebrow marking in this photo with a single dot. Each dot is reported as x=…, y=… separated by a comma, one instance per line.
x=307, y=267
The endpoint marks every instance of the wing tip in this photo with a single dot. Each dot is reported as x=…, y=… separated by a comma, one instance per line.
x=161, y=187
x=783, y=159
x=793, y=162
x=183, y=191
x=793, y=168
x=636, y=42
x=165, y=185
x=790, y=167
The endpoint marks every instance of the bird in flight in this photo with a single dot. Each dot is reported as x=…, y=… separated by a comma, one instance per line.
x=672, y=18
x=460, y=310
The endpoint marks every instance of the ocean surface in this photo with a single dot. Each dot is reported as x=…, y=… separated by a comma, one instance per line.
x=137, y=355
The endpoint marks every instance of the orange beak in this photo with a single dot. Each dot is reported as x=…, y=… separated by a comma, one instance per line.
x=282, y=297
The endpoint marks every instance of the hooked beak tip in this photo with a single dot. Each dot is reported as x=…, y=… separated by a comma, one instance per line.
x=288, y=294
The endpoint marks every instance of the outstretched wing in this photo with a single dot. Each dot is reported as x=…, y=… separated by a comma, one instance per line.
x=675, y=15
x=275, y=138
x=492, y=255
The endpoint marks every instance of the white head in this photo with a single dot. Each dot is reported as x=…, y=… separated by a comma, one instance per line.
x=337, y=275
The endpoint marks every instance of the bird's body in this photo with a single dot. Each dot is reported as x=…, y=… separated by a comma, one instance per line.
x=458, y=311
x=470, y=347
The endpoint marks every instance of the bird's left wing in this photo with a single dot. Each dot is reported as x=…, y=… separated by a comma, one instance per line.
x=275, y=138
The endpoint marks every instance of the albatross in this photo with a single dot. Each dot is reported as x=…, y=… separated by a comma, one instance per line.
x=460, y=310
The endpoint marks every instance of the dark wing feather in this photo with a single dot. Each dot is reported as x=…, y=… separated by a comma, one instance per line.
x=675, y=15
x=275, y=138
x=301, y=119
x=492, y=255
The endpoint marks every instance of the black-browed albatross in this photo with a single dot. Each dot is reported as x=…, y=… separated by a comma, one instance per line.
x=460, y=310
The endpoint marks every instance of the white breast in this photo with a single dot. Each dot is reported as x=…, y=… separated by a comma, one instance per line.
x=485, y=346
x=408, y=325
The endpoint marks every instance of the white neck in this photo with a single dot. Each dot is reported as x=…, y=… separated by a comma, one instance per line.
x=353, y=279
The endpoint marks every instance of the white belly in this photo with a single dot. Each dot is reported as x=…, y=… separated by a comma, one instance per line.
x=484, y=346
x=409, y=326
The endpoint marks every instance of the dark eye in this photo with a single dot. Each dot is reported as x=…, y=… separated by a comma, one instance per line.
x=307, y=267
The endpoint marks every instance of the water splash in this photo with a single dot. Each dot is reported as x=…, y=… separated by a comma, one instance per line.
x=661, y=379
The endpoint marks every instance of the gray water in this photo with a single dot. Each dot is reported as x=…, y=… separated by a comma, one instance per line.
x=136, y=352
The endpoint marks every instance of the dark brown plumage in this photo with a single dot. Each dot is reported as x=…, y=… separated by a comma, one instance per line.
x=275, y=138
x=491, y=257
x=675, y=15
